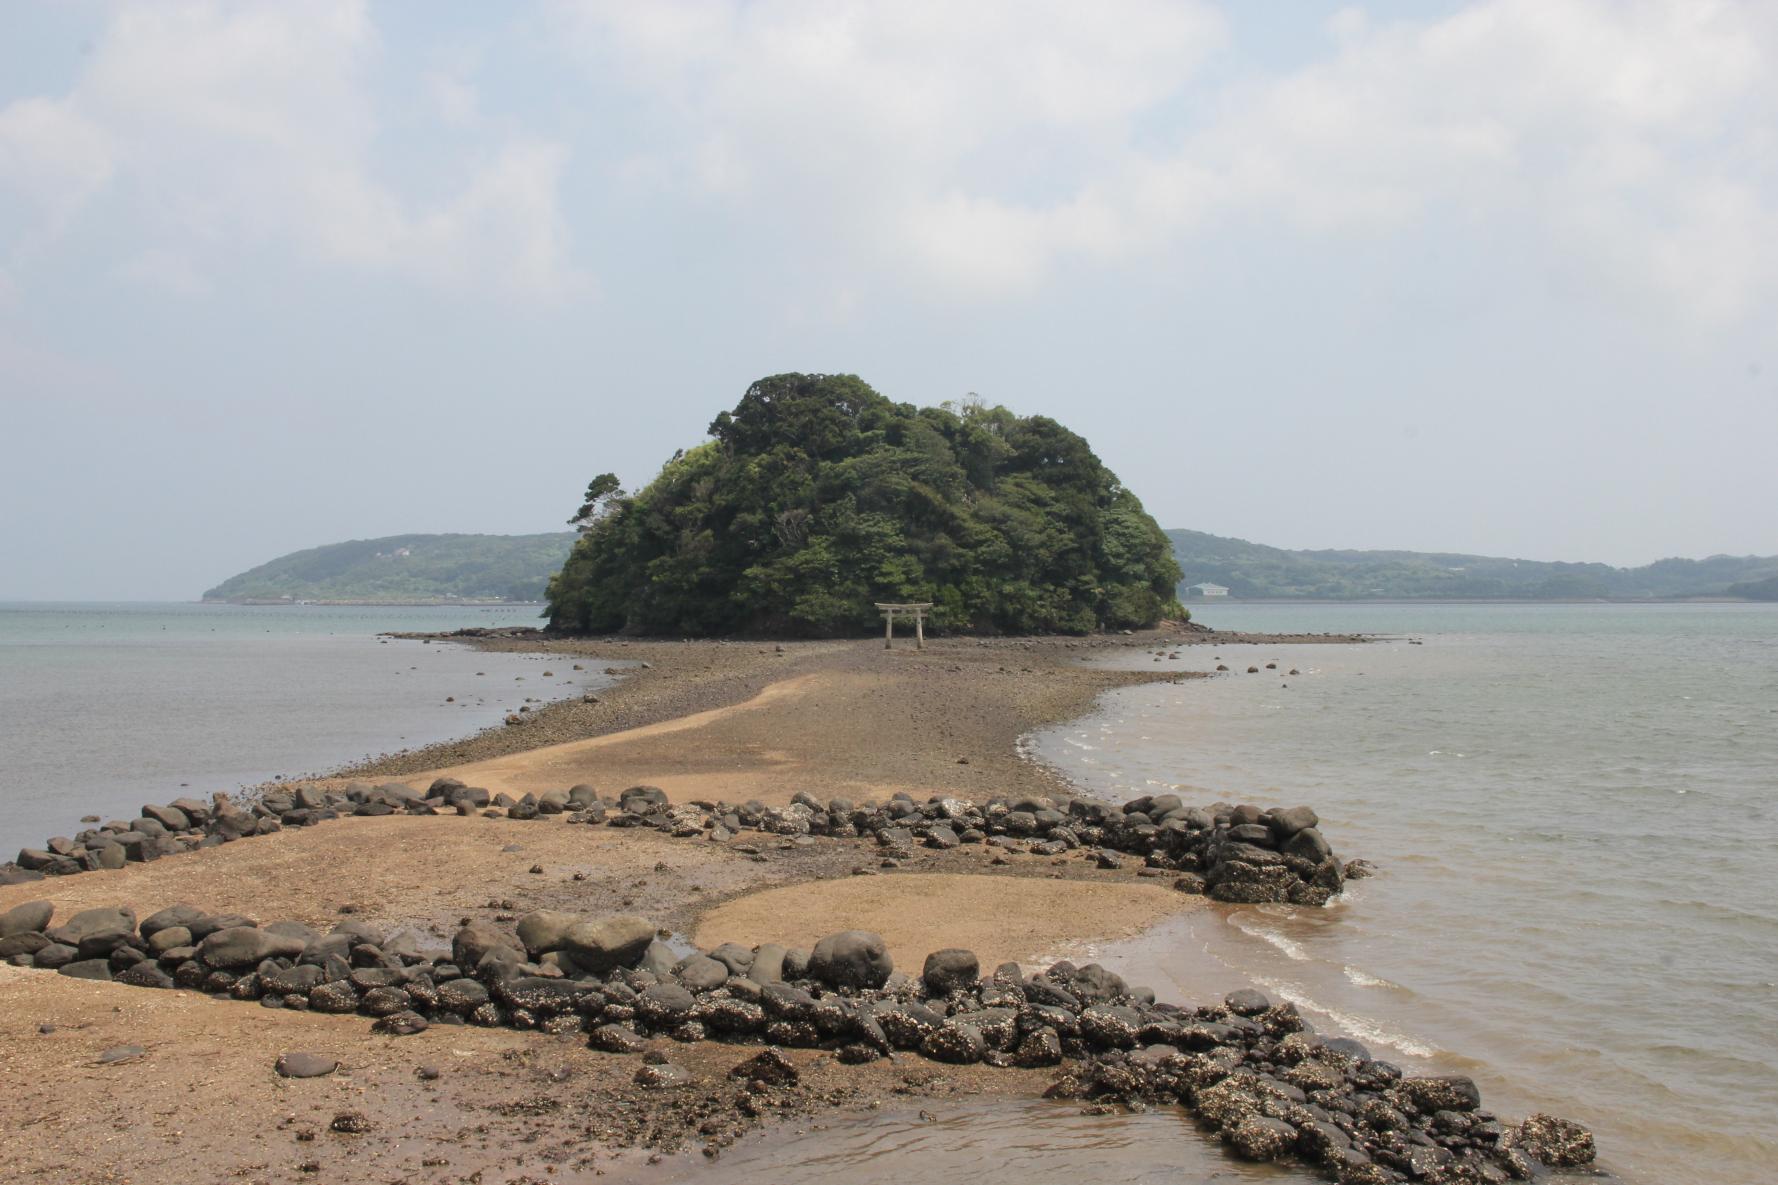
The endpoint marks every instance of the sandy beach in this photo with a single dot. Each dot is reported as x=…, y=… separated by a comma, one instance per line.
x=716, y=720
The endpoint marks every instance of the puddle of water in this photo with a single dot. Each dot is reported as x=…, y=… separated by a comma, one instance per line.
x=1000, y=1142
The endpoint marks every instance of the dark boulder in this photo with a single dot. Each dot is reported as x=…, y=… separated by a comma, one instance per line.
x=31, y=917
x=603, y=945
x=950, y=970
x=851, y=959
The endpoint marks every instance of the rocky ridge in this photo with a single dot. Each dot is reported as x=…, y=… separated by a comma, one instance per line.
x=1234, y=853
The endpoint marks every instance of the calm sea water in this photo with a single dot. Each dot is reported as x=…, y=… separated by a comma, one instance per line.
x=106, y=707
x=1575, y=809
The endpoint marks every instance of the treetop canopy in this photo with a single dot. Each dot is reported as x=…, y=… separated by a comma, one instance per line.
x=816, y=497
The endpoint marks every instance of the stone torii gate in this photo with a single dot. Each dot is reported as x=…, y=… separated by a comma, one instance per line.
x=919, y=612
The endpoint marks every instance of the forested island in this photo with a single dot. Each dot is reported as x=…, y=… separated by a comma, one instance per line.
x=407, y=569
x=1255, y=571
x=816, y=497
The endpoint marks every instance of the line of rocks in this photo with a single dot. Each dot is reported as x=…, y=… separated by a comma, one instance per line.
x=162, y=830
x=1247, y=1068
x=1235, y=853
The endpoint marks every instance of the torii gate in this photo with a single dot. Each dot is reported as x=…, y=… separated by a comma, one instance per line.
x=919, y=612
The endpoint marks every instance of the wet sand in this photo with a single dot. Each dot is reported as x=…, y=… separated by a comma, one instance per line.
x=706, y=720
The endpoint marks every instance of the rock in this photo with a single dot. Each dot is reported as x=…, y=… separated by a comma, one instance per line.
x=664, y=1076
x=27, y=942
x=462, y=996
x=737, y=958
x=31, y=917
x=950, y=970
x=1287, y=822
x=602, y=945
x=476, y=939
x=1040, y=1047
x=246, y=946
x=1558, y=1143
x=144, y=974
x=350, y=1123
x=304, y=1065
x=1309, y=844
x=53, y=957
x=615, y=1038
x=1448, y=1093
x=170, y=817
x=545, y=930
x=121, y=1053
x=401, y=1024
x=701, y=973
x=86, y=969
x=665, y=1005
x=769, y=1066
x=1246, y=1002
x=1259, y=1138
x=768, y=964
x=182, y=916
x=94, y=921
x=955, y=1041
x=337, y=996
x=851, y=958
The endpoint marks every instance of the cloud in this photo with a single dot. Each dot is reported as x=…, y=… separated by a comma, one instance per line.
x=222, y=124
x=981, y=147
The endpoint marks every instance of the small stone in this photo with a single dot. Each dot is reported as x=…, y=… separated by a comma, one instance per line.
x=351, y=1123
x=121, y=1053
x=305, y=1065
x=400, y=1024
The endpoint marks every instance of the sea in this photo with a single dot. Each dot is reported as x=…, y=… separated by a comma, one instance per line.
x=106, y=707
x=1573, y=810
x=1574, y=814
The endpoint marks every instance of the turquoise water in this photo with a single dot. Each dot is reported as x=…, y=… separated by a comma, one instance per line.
x=1576, y=812
x=106, y=707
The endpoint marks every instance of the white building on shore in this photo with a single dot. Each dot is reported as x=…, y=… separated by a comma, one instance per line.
x=1207, y=590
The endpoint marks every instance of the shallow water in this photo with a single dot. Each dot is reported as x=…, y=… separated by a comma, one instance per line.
x=994, y=1143
x=1576, y=813
x=106, y=707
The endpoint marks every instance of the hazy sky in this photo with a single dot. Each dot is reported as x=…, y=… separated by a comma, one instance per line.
x=1497, y=277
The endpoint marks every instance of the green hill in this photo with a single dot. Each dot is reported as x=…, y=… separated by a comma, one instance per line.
x=1756, y=590
x=408, y=568
x=1257, y=571
x=817, y=496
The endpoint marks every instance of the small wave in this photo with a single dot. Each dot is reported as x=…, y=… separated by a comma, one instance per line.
x=1078, y=744
x=1290, y=949
x=1364, y=979
x=1366, y=1028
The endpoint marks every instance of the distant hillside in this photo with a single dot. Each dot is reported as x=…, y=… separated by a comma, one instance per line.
x=1756, y=590
x=408, y=568
x=1254, y=570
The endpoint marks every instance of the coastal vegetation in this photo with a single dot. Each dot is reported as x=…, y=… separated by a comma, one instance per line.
x=816, y=497
x=1256, y=571
x=1756, y=590
x=407, y=568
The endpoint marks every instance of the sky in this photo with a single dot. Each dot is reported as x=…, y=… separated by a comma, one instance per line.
x=1496, y=277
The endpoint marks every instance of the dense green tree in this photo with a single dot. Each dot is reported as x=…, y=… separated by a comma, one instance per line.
x=816, y=497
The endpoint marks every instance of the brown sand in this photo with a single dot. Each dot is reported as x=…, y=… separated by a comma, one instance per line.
x=1000, y=918
x=202, y=1104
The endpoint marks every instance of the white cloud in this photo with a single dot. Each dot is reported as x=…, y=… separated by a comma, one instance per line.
x=52, y=155
x=979, y=146
x=219, y=124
